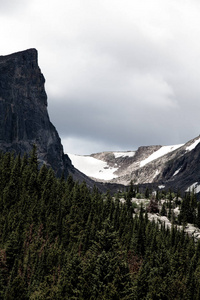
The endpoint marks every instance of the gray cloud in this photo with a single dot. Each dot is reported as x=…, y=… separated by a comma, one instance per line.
x=7, y=7
x=118, y=74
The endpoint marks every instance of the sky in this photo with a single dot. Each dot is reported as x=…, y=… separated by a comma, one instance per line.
x=119, y=74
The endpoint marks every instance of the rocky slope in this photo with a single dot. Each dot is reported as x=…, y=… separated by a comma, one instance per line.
x=176, y=167
x=24, y=119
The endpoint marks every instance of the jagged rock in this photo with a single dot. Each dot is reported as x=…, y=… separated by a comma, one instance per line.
x=24, y=119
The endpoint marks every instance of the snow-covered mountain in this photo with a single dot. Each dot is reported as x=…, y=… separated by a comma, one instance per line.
x=100, y=166
x=176, y=166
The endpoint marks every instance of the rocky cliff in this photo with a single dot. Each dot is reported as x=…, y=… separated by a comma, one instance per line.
x=24, y=119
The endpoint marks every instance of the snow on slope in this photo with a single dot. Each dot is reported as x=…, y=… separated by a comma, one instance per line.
x=191, y=147
x=124, y=154
x=99, y=169
x=160, y=152
x=93, y=167
x=195, y=186
x=176, y=172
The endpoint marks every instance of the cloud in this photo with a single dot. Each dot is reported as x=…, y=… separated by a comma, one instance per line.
x=10, y=7
x=118, y=74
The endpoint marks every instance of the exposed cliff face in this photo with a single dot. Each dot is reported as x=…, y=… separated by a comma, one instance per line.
x=183, y=169
x=24, y=119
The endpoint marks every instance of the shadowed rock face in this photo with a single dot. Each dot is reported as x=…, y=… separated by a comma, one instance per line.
x=24, y=119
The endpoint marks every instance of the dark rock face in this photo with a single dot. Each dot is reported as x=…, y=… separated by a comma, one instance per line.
x=177, y=170
x=24, y=119
x=189, y=170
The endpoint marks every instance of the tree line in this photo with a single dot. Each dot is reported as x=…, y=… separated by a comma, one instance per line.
x=61, y=240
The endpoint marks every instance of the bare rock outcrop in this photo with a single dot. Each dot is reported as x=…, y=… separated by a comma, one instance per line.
x=24, y=119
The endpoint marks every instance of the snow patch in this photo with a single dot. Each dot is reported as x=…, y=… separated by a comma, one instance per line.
x=191, y=147
x=160, y=152
x=156, y=173
x=176, y=172
x=195, y=186
x=93, y=167
x=161, y=186
x=124, y=154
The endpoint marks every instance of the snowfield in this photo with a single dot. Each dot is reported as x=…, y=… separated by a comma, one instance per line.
x=160, y=152
x=93, y=167
x=119, y=166
x=100, y=169
x=156, y=173
x=97, y=168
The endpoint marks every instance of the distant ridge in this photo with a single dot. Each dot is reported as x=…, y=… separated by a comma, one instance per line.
x=162, y=167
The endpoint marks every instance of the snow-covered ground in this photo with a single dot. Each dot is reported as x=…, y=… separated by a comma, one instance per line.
x=97, y=168
x=124, y=154
x=195, y=186
x=160, y=152
x=191, y=147
x=101, y=170
x=176, y=172
x=93, y=167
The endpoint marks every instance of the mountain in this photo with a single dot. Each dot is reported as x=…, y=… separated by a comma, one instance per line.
x=176, y=167
x=24, y=122
x=24, y=119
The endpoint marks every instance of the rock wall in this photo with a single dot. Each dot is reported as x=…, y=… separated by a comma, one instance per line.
x=24, y=119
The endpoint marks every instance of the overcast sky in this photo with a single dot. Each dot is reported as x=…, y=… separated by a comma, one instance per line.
x=119, y=74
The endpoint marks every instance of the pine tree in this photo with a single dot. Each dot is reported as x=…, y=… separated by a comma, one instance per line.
x=33, y=160
x=163, y=210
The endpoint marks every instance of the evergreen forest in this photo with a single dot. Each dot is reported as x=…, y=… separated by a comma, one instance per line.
x=60, y=239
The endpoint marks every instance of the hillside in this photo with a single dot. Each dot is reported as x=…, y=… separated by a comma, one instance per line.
x=59, y=240
x=162, y=166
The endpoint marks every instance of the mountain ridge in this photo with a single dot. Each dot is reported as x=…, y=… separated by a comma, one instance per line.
x=24, y=122
x=175, y=166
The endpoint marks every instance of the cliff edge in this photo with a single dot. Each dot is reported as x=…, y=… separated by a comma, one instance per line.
x=24, y=119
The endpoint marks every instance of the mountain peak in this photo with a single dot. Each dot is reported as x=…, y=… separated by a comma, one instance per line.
x=24, y=119
x=25, y=55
